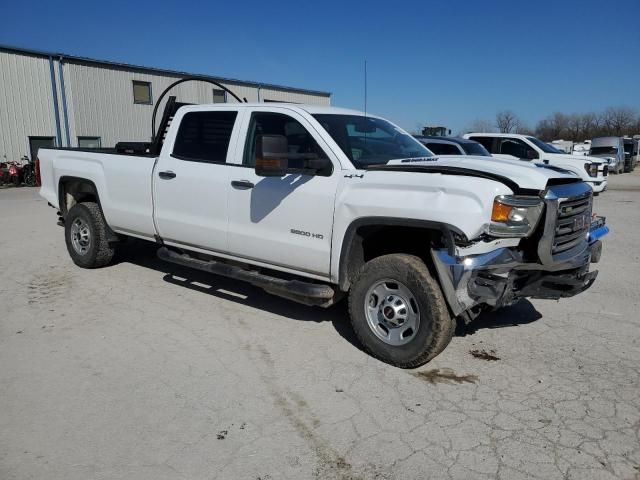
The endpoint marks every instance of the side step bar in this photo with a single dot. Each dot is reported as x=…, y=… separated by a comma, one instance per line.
x=303, y=292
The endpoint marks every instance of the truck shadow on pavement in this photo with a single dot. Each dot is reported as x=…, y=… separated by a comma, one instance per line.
x=520, y=313
x=144, y=254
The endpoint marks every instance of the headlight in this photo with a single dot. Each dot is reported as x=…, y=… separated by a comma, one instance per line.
x=514, y=216
x=592, y=169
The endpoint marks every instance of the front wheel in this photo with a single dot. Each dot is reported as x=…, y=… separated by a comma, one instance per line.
x=86, y=236
x=398, y=312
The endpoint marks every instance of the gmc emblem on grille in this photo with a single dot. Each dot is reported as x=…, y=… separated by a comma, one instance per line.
x=579, y=222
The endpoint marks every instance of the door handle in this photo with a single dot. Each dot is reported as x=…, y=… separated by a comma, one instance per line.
x=168, y=175
x=242, y=184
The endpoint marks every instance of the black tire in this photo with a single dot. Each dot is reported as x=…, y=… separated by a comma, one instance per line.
x=436, y=327
x=98, y=251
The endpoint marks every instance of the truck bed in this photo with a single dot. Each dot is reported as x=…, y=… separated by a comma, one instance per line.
x=122, y=181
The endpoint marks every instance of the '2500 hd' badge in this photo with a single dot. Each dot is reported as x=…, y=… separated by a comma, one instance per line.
x=319, y=236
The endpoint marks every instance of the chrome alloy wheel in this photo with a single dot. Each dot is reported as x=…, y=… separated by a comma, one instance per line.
x=392, y=312
x=80, y=236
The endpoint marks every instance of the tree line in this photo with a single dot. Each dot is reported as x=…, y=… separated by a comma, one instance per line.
x=614, y=121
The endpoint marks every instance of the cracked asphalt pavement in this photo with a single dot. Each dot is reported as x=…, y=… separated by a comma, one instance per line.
x=144, y=370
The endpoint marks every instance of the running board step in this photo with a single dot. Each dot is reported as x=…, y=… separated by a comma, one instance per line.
x=303, y=292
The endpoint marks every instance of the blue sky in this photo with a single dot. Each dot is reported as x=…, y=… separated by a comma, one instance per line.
x=442, y=62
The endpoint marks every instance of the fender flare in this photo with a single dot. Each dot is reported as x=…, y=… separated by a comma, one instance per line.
x=346, y=250
x=111, y=235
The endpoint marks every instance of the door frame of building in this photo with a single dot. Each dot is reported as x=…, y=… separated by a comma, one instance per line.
x=30, y=138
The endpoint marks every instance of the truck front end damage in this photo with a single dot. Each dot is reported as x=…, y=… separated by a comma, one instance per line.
x=550, y=263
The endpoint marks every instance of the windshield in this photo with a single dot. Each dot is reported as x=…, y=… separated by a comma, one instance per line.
x=628, y=147
x=545, y=147
x=370, y=141
x=603, y=151
x=474, y=148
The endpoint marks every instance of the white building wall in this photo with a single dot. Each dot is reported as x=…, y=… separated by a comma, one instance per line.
x=99, y=100
x=26, y=103
x=294, y=97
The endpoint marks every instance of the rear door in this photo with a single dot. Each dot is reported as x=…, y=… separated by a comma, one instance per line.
x=283, y=221
x=191, y=180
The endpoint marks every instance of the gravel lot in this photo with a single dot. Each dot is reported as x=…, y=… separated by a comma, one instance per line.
x=144, y=370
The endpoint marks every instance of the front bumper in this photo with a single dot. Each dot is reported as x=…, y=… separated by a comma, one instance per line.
x=598, y=185
x=502, y=276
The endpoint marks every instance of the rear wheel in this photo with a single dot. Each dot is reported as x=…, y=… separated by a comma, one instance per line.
x=398, y=312
x=86, y=236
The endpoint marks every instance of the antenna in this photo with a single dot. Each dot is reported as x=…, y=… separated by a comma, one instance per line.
x=365, y=88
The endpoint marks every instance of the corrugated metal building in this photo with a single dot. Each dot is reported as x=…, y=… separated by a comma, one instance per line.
x=55, y=99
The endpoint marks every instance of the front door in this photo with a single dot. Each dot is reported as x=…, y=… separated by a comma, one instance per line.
x=36, y=143
x=191, y=180
x=283, y=221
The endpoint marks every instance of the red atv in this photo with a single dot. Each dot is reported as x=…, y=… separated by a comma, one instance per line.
x=15, y=174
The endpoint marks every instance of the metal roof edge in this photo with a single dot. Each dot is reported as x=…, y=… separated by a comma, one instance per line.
x=76, y=58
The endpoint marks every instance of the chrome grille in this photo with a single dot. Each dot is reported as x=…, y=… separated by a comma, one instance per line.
x=573, y=221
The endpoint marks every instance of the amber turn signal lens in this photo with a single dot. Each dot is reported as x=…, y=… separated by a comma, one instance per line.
x=500, y=212
x=267, y=163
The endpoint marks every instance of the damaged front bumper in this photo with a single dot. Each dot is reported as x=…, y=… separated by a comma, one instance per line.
x=502, y=276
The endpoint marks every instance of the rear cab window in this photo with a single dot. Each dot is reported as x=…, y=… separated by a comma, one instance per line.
x=204, y=136
x=486, y=142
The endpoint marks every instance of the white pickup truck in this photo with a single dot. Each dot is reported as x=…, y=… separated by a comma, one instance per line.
x=592, y=170
x=311, y=203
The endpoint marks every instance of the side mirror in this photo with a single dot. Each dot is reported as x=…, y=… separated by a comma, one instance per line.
x=271, y=155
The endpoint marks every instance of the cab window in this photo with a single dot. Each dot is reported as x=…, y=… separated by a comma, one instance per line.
x=301, y=145
x=204, y=136
x=517, y=148
x=443, y=148
x=486, y=142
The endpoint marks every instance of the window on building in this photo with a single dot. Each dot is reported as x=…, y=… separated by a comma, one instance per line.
x=142, y=92
x=204, y=136
x=219, y=96
x=89, y=142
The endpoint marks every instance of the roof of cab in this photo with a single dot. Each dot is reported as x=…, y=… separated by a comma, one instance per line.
x=311, y=109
